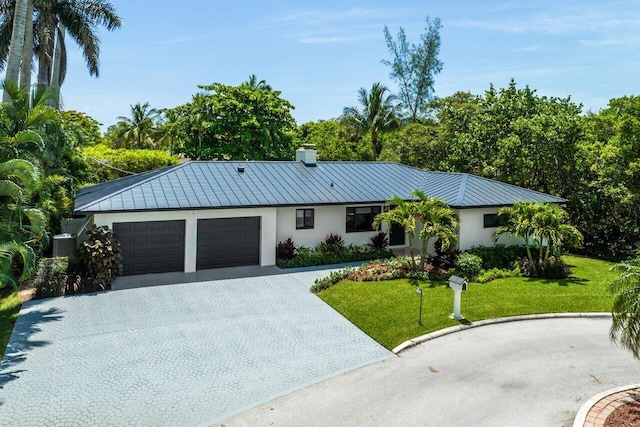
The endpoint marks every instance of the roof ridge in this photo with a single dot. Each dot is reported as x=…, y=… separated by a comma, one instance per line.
x=462, y=189
x=129, y=187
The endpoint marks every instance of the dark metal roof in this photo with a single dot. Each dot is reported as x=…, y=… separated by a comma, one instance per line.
x=219, y=184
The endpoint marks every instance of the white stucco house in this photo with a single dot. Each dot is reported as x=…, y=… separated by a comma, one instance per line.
x=200, y=215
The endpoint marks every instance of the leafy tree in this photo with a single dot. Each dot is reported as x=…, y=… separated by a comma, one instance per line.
x=414, y=67
x=417, y=144
x=137, y=131
x=81, y=128
x=437, y=220
x=233, y=122
x=332, y=141
x=403, y=213
x=625, y=327
x=376, y=114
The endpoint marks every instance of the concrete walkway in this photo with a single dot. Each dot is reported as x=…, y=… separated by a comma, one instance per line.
x=528, y=373
x=187, y=354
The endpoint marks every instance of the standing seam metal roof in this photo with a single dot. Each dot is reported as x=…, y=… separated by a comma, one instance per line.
x=218, y=184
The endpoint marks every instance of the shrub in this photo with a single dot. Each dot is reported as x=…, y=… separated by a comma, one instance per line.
x=286, y=249
x=551, y=268
x=333, y=278
x=468, y=265
x=444, y=259
x=334, y=239
x=51, y=277
x=498, y=256
x=100, y=258
x=379, y=241
x=496, y=273
x=130, y=160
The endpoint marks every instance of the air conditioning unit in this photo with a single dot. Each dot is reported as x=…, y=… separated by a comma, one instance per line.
x=64, y=245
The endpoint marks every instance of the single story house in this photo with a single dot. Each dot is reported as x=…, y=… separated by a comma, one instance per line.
x=208, y=214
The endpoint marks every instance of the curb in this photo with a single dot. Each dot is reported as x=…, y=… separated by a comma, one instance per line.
x=581, y=417
x=453, y=329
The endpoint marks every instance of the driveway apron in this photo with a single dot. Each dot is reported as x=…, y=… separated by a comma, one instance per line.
x=188, y=354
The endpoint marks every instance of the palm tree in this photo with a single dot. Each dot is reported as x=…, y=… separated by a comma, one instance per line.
x=438, y=221
x=377, y=113
x=254, y=84
x=137, y=131
x=54, y=18
x=625, y=327
x=403, y=213
x=551, y=227
x=17, y=41
x=518, y=222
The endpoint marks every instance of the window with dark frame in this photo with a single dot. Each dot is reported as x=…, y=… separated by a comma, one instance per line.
x=304, y=219
x=492, y=221
x=361, y=218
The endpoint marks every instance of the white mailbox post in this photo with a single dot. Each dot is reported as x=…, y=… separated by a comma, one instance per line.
x=458, y=284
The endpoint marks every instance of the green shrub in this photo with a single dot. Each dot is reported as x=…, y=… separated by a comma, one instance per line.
x=551, y=268
x=468, y=265
x=332, y=253
x=51, y=277
x=100, y=259
x=498, y=256
x=496, y=273
x=333, y=278
x=106, y=163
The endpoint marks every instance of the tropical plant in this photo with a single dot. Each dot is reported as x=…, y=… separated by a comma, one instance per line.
x=625, y=327
x=52, y=20
x=517, y=221
x=401, y=212
x=379, y=241
x=414, y=67
x=137, y=131
x=22, y=226
x=438, y=220
x=255, y=84
x=375, y=114
x=100, y=256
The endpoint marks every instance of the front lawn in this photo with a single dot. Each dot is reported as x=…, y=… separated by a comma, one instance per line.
x=9, y=307
x=388, y=311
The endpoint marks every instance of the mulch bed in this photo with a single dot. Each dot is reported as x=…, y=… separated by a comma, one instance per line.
x=627, y=415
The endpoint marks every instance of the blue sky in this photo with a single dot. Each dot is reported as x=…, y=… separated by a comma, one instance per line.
x=319, y=53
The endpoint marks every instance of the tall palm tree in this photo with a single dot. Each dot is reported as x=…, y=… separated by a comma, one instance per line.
x=139, y=130
x=54, y=18
x=254, y=84
x=403, y=213
x=625, y=326
x=17, y=41
x=438, y=221
x=377, y=113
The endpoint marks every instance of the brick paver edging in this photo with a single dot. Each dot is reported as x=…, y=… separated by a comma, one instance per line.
x=596, y=410
x=442, y=332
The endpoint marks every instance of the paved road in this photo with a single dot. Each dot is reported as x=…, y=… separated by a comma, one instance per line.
x=531, y=373
x=179, y=355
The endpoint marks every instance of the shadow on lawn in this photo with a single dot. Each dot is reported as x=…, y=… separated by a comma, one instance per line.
x=571, y=280
x=19, y=345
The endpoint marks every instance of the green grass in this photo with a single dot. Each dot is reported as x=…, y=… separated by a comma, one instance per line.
x=9, y=307
x=388, y=311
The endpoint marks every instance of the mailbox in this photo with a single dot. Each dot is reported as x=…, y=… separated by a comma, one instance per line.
x=457, y=284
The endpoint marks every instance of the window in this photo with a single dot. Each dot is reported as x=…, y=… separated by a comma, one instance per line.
x=492, y=221
x=304, y=219
x=361, y=218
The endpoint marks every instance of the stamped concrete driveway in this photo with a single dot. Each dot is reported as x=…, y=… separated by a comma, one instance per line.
x=189, y=354
x=534, y=373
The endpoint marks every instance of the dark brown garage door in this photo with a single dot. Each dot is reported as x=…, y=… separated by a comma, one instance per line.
x=151, y=246
x=228, y=242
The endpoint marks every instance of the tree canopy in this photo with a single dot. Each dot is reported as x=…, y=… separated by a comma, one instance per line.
x=243, y=122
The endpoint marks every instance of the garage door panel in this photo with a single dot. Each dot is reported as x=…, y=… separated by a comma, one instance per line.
x=151, y=246
x=228, y=242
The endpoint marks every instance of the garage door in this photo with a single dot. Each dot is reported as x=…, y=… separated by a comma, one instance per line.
x=151, y=246
x=228, y=242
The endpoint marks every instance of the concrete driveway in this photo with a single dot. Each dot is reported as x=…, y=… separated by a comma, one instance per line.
x=188, y=354
x=530, y=373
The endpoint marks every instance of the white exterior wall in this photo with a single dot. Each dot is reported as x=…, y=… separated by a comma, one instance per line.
x=267, y=228
x=473, y=233
x=327, y=220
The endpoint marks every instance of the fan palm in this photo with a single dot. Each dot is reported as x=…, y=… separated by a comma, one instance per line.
x=376, y=113
x=625, y=327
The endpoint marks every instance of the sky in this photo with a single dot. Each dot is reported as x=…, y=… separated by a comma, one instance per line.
x=318, y=54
